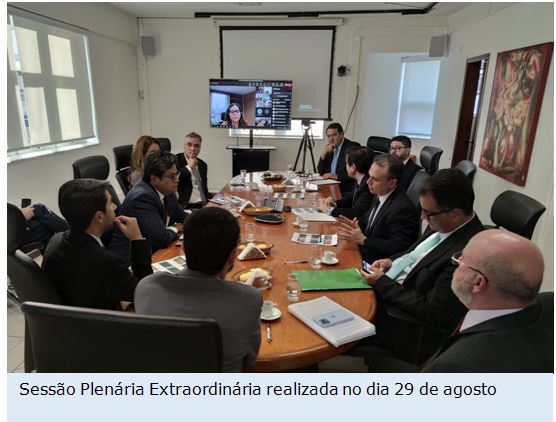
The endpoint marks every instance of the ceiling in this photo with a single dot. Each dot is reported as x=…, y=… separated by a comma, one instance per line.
x=299, y=9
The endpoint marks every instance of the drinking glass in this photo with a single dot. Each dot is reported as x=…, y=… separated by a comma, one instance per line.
x=293, y=288
x=250, y=232
x=243, y=174
x=316, y=256
x=303, y=224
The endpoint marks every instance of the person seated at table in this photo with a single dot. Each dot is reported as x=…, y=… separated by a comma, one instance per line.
x=153, y=202
x=144, y=146
x=418, y=279
x=234, y=117
x=357, y=202
x=41, y=223
x=400, y=146
x=211, y=237
x=333, y=156
x=392, y=222
x=83, y=270
x=192, y=185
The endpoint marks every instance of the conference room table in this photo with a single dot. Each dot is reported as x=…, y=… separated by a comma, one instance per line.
x=294, y=345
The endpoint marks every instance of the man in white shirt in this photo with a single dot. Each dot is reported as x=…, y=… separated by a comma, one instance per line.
x=192, y=186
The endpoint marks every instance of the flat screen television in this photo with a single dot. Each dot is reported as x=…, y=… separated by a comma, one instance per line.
x=250, y=104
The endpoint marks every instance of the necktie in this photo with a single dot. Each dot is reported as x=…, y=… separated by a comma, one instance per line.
x=335, y=160
x=410, y=258
x=355, y=194
x=374, y=209
x=197, y=176
x=165, y=205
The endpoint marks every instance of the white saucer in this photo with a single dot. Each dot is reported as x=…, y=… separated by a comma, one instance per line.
x=331, y=262
x=275, y=315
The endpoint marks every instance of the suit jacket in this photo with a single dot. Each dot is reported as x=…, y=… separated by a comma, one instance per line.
x=325, y=164
x=426, y=292
x=89, y=275
x=355, y=203
x=235, y=306
x=409, y=170
x=395, y=227
x=518, y=342
x=143, y=203
x=185, y=186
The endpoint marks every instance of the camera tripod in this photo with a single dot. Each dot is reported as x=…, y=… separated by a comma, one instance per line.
x=306, y=143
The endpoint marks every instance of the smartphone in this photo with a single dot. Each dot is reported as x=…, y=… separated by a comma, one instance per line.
x=25, y=202
x=365, y=266
x=332, y=318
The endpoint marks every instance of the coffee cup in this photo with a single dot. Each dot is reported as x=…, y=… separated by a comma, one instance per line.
x=329, y=256
x=268, y=308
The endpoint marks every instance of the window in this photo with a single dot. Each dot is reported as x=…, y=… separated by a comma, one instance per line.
x=417, y=97
x=49, y=91
x=296, y=131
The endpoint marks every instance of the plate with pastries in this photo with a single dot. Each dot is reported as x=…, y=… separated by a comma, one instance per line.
x=259, y=277
x=263, y=246
x=272, y=177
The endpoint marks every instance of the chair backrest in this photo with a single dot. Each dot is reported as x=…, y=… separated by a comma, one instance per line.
x=122, y=156
x=429, y=158
x=468, y=168
x=123, y=181
x=516, y=212
x=165, y=144
x=415, y=187
x=378, y=143
x=93, y=167
x=181, y=162
x=94, y=340
x=15, y=228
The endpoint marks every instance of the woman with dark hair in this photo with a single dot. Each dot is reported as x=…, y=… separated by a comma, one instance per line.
x=144, y=146
x=234, y=117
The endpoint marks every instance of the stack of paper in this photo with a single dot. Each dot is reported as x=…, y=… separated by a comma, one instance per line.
x=315, y=239
x=172, y=265
x=342, y=333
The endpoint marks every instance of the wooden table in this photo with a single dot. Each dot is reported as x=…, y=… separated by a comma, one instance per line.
x=294, y=344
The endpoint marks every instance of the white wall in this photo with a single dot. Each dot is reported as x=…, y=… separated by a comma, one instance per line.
x=518, y=26
x=115, y=83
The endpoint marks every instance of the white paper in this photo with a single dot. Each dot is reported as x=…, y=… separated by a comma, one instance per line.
x=325, y=182
x=284, y=195
x=172, y=265
x=315, y=239
x=312, y=214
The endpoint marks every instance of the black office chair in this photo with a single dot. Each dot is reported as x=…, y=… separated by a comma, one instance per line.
x=94, y=340
x=181, y=162
x=122, y=158
x=95, y=167
x=28, y=280
x=415, y=186
x=468, y=168
x=516, y=212
x=429, y=158
x=165, y=144
x=378, y=143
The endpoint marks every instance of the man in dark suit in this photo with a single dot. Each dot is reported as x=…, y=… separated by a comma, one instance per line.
x=192, y=185
x=418, y=280
x=392, y=222
x=400, y=146
x=76, y=261
x=153, y=202
x=357, y=202
x=210, y=240
x=332, y=159
x=508, y=328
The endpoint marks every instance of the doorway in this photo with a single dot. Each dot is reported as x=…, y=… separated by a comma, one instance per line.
x=470, y=108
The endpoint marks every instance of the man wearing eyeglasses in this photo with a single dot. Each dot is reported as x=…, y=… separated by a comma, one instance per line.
x=152, y=201
x=400, y=146
x=418, y=280
x=192, y=185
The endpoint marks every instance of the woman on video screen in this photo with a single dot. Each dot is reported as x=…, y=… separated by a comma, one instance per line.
x=234, y=117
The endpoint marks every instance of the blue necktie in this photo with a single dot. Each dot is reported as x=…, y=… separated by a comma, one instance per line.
x=335, y=161
x=410, y=258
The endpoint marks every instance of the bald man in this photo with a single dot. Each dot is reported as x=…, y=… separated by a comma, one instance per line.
x=507, y=328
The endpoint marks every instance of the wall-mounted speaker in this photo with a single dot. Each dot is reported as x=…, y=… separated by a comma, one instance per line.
x=439, y=46
x=147, y=46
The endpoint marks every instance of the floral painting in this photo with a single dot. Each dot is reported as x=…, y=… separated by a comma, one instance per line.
x=513, y=112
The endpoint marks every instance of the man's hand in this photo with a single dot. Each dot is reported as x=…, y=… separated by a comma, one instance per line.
x=371, y=278
x=191, y=161
x=28, y=212
x=382, y=264
x=349, y=230
x=129, y=227
x=325, y=204
x=179, y=227
x=330, y=176
x=327, y=150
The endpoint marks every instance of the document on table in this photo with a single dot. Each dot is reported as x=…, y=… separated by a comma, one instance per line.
x=325, y=182
x=312, y=214
x=342, y=333
x=172, y=265
x=315, y=239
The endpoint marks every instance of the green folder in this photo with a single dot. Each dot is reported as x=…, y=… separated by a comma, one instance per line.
x=331, y=280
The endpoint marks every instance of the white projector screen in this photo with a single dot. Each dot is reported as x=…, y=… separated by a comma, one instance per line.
x=303, y=55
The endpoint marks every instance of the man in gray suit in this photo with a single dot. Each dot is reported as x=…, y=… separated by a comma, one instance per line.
x=210, y=240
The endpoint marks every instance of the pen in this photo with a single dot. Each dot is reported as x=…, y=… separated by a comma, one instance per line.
x=303, y=261
x=268, y=333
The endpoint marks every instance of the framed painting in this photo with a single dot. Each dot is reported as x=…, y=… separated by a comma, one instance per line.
x=513, y=113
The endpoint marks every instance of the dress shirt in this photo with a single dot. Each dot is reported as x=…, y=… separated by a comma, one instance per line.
x=195, y=190
x=476, y=316
x=334, y=163
x=97, y=239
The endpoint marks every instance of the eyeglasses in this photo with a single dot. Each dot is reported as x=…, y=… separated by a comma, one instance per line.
x=175, y=177
x=396, y=148
x=457, y=262
x=429, y=214
x=235, y=111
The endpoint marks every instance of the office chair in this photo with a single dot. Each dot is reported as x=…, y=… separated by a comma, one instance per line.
x=429, y=158
x=181, y=162
x=415, y=186
x=29, y=281
x=95, y=340
x=379, y=144
x=165, y=144
x=122, y=158
x=468, y=169
x=516, y=212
